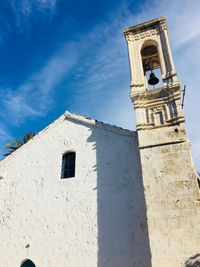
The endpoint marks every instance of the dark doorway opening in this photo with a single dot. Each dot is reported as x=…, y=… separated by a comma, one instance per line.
x=28, y=263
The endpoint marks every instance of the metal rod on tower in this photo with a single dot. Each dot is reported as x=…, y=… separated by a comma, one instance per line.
x=183, y=96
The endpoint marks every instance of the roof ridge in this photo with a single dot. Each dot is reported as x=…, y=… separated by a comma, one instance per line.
x=80, y=118
x=99, y=124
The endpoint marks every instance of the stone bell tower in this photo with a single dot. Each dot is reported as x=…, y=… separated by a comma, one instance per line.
x=170, y=183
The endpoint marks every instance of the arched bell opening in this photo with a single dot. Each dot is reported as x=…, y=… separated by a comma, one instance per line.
x=27, y=263
x=151, y=65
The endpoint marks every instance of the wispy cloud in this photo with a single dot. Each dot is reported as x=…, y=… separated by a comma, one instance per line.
x=183, y=19
x=101, y=81
x=5, y=136
x=104, y=72
x=28, y=12
x=104, y=92
x=196, y=153
x=26, y=7
x=33, y=97
x=104, y=87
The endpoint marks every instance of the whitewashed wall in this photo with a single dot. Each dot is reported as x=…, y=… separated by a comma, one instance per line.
x=95, y=219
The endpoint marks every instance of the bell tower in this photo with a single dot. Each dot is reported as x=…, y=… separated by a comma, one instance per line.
x=150, y=53
x=170, y=183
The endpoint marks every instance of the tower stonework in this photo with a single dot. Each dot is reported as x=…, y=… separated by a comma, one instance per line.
x=170, y=183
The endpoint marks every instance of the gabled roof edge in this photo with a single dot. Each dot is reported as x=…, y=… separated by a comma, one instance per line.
x=82, y=119
x=99, y=124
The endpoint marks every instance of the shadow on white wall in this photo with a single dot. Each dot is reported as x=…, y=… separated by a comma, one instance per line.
x=122, y=222
x=194, y=261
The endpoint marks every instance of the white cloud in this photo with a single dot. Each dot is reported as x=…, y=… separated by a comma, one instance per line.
x=47, y=3
x=26, y=7
x=103, y=77
x=33, y=98
x=102, y=85
x=107, y=74
x=28, y=12
x=5, y=136
x=196, y=153
x=183, y=19
x=183, y=22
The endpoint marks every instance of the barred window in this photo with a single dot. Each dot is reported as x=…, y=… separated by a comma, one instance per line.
x=68, y=165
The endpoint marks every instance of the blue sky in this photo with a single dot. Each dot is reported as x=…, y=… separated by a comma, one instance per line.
x=58, y=55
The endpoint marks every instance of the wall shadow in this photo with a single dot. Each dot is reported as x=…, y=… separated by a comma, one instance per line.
x=194, y=261
x=123, y=239
x=122, y=223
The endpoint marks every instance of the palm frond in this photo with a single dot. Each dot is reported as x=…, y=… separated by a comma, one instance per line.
x=14, y=144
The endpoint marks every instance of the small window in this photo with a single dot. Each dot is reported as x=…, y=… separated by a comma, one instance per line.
x=68, y=165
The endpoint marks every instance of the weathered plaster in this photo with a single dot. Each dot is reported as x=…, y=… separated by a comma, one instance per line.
x=170, y=183
x=95, y=219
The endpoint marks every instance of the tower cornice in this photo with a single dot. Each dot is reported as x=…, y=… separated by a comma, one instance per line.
x=151, y=24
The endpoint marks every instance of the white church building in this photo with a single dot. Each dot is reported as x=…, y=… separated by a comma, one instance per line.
x=82, y=193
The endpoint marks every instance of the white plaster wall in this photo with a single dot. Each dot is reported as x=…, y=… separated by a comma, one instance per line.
x=95, y=219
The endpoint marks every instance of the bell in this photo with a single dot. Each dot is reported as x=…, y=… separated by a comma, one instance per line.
x=153, y=79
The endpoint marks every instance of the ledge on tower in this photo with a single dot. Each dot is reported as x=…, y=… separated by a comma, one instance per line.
x=146, y=24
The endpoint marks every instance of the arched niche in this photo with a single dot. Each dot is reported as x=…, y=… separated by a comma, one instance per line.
x=27, y=263
x=151, y=61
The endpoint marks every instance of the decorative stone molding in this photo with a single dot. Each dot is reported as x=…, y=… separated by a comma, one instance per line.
x=158, y=108
x=141, y=35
